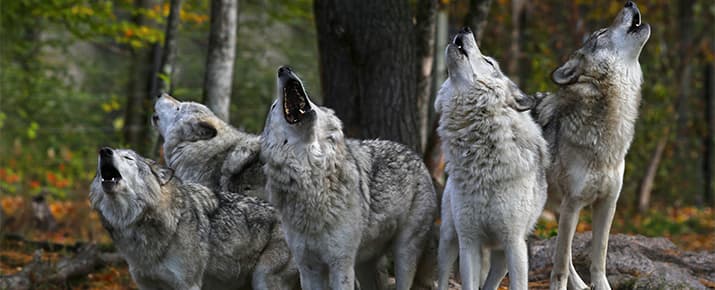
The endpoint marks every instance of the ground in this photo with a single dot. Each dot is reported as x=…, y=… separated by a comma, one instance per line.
x=689, y=228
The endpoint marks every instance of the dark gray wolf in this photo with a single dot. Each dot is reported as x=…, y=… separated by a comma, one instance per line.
x=178, y=235
x=204, y=149
x=496, y=161
x=589, y=124
x=344, y=202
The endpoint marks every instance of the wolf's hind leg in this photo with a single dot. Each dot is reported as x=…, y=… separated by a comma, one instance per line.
x=408, y=249
x=497, y=270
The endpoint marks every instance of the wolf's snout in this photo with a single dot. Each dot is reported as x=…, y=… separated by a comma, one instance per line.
x=284, y=70
x=108, y=172
x=465, y=29
x=106, y=152
x=629, y=4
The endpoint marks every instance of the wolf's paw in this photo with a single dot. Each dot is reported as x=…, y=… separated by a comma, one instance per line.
x=576, y=283
x=600, y=283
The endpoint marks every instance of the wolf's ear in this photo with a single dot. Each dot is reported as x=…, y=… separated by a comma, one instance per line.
x=203, y=130
x=521, y=102
x=164, y=174
x=568, y=72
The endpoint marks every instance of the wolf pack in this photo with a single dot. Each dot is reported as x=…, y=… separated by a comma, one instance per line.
x=302, y=206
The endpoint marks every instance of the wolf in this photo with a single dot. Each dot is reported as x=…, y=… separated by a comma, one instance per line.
x=344, y=202
x=177, y=235
x=589, y=124
x=204, y=149
x=496, y=161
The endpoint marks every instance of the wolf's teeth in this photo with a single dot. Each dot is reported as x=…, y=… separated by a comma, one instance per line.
x=301, y=111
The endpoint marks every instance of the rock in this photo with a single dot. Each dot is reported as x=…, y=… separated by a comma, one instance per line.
x=633, y=262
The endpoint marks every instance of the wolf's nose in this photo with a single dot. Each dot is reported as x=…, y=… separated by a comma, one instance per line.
x=465, y=29
x=284, y=69
x=106, y=152
x=630, y=4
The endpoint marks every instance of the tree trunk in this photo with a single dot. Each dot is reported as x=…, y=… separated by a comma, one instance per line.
x=168, y=55
x=163, y=79
x=709, y=137
x=477, y=17
x=646, y=186
x=518, y=17
x=368, y=60
x=684, y=69
x=220, y=57
x=139, y=87
x=425, y=33
x=433, y=157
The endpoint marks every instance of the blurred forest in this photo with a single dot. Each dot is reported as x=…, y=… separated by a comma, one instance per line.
x=79, y=74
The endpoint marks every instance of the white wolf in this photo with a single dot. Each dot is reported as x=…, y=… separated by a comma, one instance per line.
x=343, y=202
x=589, y=124
x=496, y=161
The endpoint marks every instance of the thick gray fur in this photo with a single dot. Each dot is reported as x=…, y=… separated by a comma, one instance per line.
x=344, y=202
x=204, y=149
x=589, y=124
x=496, y=161
x=178, y=235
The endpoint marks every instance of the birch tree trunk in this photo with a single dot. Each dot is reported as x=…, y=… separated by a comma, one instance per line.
x=169, y=52
x=220, y=58
x=425, y=32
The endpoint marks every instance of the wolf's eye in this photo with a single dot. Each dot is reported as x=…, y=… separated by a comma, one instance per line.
x=489, y=61
x=128, y=158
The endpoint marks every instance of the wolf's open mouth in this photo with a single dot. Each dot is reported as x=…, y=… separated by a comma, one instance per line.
x=460, y=45
x=109, y=174
x=295, y=102
x=635, y=22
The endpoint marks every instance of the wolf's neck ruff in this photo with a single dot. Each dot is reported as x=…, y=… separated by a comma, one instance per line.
x=301, y=182
x=603, y=119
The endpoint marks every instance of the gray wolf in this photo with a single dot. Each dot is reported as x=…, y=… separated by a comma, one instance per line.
x=204, y=149
x=589, y=124
x=496, y=162
x=343, y=202
x=177, y=235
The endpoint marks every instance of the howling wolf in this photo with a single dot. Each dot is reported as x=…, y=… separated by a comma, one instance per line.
x=343, y=202
x=496, y=161
x=204, y=149
x=589, y=124
x=177, y=235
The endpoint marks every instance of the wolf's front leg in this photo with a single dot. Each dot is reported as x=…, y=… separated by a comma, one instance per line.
x=497, y=270
x=568, y=221
x=342, y=274
x=448, y=251
x=470, y=263
x=311, y=277
x=448, y=248
x=603, y=211
x=518, y=264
